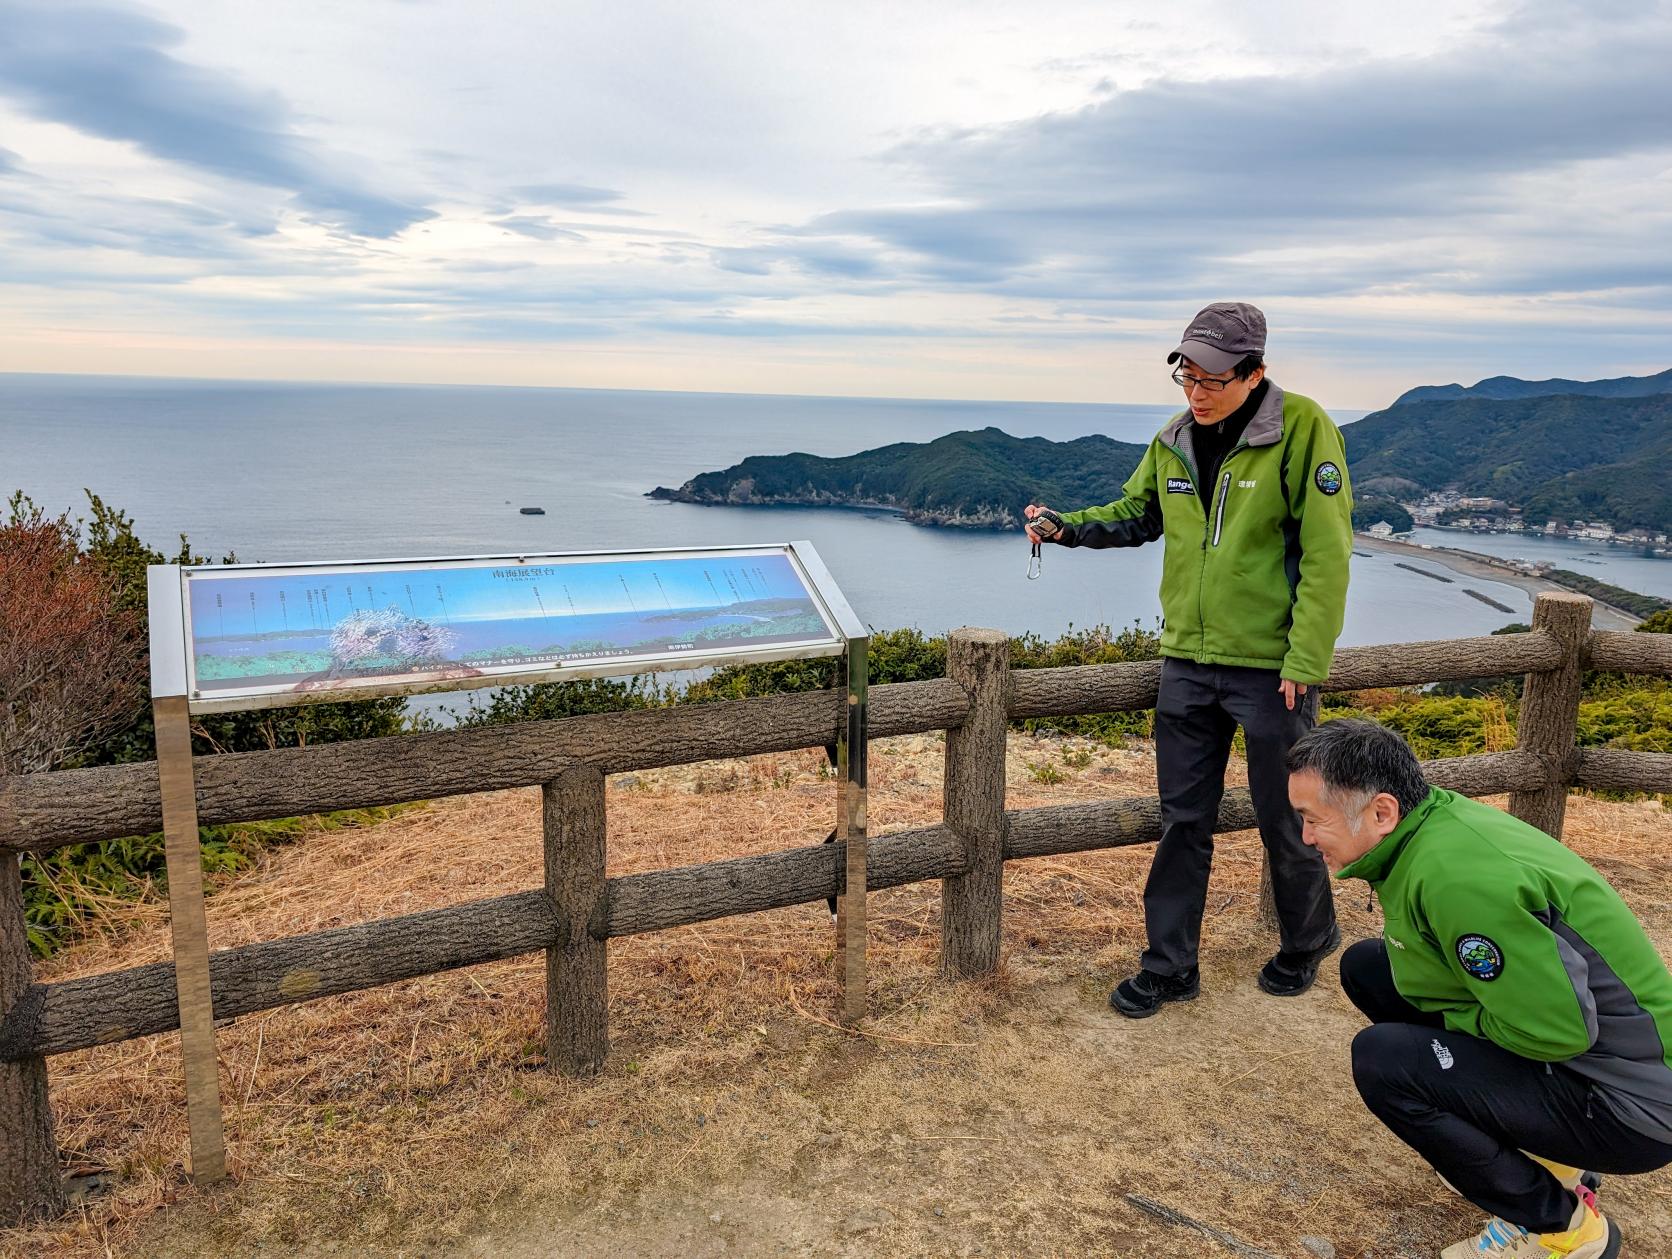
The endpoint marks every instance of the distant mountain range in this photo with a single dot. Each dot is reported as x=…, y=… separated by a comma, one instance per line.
x=1509, y=388
x=1557, y=449
x=968, y=480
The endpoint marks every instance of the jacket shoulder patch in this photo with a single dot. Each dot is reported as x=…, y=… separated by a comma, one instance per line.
x=1481, y=957
x=1328, y=478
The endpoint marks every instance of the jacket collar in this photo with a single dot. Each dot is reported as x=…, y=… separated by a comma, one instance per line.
x=1265, y=428
x=1378, y=863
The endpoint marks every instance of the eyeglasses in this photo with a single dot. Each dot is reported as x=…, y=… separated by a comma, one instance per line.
x=1210, y=383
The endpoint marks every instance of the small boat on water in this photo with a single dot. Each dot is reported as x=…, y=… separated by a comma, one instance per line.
x=532, y=511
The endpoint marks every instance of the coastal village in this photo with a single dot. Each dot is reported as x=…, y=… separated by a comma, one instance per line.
x=1449, y=509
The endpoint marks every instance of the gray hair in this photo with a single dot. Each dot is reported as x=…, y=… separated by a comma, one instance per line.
x=1359, y=757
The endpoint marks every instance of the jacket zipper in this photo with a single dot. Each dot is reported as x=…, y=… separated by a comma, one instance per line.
x=1201, y=569
x=1219, y=516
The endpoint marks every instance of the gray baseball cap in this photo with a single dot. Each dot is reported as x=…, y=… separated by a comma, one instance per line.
x=1222, y=335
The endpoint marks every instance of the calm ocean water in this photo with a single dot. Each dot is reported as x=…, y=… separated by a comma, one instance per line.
x=278, y=471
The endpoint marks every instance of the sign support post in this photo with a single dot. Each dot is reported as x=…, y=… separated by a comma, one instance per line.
x=852, y=827
x=186, y=916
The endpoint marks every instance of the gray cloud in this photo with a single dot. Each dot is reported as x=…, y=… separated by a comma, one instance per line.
x=536, y=228
x=1185, y=183
x=107, y=71
x=565, y=194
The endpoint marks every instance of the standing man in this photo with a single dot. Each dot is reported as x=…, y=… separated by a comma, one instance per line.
x=1248, y=487
x=1521, y=1020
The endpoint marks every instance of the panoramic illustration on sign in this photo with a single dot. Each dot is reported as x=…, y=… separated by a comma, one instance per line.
x=347, y=626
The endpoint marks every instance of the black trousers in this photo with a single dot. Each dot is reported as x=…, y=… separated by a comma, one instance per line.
x=1471, y=1107
x=1196, y=715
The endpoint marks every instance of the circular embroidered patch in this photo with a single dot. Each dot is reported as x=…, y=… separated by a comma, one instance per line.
x=1481, y=957
x=1328, y=478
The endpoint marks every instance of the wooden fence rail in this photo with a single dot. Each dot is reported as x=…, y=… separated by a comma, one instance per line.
x=578, y=910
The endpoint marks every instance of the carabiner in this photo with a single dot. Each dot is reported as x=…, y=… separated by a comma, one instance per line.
x=1036, y=563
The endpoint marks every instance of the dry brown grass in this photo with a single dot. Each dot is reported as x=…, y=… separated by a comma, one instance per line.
x=1007, y=1117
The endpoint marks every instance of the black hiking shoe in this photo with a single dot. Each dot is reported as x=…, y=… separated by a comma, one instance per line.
x=1290, y=974
x=1146, y=992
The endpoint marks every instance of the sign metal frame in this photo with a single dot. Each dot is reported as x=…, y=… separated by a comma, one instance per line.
x=828, y=601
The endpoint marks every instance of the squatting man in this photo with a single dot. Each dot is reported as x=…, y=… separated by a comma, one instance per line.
x=1248, y=488
x=1521, y=1019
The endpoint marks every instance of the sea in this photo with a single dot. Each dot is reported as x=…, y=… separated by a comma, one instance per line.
x=271, y=471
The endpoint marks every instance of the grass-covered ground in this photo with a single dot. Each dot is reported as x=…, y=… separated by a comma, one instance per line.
x=1011, y=1117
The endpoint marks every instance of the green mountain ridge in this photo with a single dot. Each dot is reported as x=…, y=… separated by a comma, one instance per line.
x=1560, y=456
x=1509, y=388
x=979, y=479
x=1557, y=456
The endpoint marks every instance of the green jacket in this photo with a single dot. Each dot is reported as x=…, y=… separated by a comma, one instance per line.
x=1261, y=579
x=1513, y=938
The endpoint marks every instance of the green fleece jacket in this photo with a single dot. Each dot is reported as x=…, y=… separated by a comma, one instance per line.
x=1513, y=938
x=1259, y=578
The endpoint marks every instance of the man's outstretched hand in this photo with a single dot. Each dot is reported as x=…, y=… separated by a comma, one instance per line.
x=1043, y=523
x=1290, y=691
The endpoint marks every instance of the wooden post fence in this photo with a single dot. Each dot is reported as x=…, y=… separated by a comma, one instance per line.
x=1549, y=720
x=973, y=802
x=577, y=1007
x=579, y=909
x=29, y=1181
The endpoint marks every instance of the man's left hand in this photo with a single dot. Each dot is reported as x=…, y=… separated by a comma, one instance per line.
x=1290, y=691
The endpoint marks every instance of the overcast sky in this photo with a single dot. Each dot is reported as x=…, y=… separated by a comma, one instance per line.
x=974, y=199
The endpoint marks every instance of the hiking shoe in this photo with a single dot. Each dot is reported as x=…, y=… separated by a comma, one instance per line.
x=1589, y=1235
x=1290, y=974
x=1146, y=992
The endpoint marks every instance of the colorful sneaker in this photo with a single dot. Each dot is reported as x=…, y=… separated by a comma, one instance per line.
x=1589, y=1235
x=1146, y=992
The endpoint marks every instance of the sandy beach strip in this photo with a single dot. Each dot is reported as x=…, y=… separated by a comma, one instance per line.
x=1488, y=568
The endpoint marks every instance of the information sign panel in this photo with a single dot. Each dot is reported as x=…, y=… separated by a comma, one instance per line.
x=262, y=635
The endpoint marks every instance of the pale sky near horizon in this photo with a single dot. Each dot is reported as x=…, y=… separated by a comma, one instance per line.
x=973, y=199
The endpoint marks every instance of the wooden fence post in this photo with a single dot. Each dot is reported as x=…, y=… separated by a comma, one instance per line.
x=577, y=1008
x=29, y=1183
x=972, y=903
x=1549, y=721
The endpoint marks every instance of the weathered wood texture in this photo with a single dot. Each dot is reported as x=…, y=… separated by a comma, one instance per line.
x=1084, y=688
x=577, y=1003
x=1069, y=828
x=1614, y=769
x=30, y=1186
x=1126, y=686
x=189, y=932
x=1549, y=718
x=853, y=831
x=660, y=899
x=122, y=1005
x=125, y=1004
x=1407, y=664
x=44, y=811
x=1631, y=652
x=972, y=903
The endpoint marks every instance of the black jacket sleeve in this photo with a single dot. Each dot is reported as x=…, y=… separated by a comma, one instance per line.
x=1099, y=534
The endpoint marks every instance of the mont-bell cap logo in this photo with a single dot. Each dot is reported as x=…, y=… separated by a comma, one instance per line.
x=1222, y=335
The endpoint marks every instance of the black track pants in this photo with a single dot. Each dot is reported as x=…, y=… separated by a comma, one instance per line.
x=1470, y=1107
x=1196, y=715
